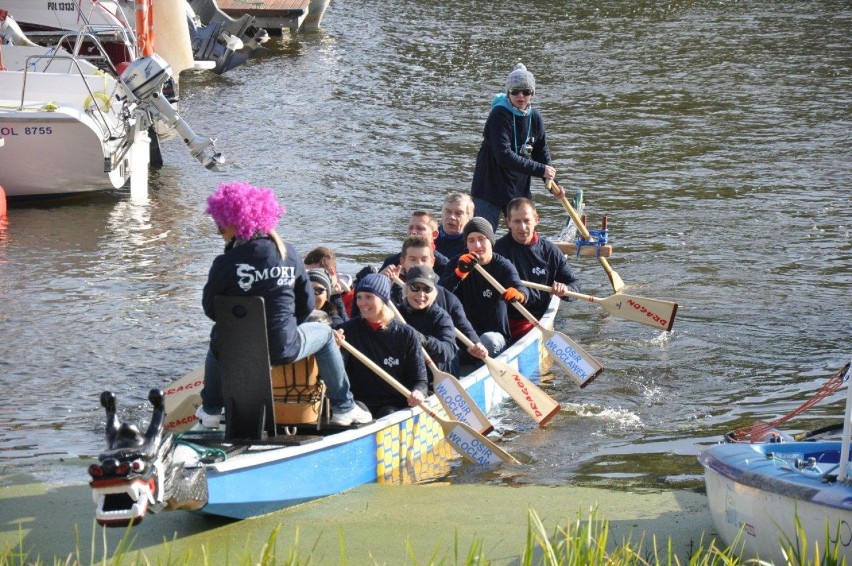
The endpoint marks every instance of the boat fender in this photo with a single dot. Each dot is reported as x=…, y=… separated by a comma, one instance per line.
x=2, y=202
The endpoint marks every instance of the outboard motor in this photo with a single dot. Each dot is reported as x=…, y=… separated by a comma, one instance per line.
x=143, y=82
x=212, y=43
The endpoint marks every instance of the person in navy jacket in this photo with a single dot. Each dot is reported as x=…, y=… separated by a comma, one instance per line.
x=514, y=149
x=456, y=211
x=432, y=323
x=484, y=306
x=256, y=263
x=392, y=345
x=537, y=260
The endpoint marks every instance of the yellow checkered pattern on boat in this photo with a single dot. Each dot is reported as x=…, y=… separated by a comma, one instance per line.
x=413, y=451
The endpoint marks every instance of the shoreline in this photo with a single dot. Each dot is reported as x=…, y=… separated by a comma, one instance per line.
x=381, y=524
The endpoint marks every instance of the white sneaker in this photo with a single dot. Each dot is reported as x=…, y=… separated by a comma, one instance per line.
x=206, y=419
x=355, y=415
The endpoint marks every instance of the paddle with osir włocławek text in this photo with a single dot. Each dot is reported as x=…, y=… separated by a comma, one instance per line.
x=462, y=437
x=614, y=278
x=451, y=393
x=651, y=312
x=529, y=396
x=578, y=363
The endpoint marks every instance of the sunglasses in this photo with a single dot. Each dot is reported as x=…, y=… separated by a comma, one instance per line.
x=415, y=288
x=524, y=91
x=319, y=290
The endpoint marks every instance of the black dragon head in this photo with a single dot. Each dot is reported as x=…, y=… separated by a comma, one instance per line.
x=127, y=481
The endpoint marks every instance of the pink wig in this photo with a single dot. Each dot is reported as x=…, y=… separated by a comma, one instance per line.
x=249, y=209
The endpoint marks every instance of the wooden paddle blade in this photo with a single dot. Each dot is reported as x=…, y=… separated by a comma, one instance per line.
x=614, y=278
x=457, y=402
x=474, y=447
x=578, y=363
x=181, y=399
x=529, y=396
x=182, y=417
x=651, y=312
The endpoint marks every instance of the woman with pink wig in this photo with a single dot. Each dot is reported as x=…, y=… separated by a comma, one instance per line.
x=254, y=265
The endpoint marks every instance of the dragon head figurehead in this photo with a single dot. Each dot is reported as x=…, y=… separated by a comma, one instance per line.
x=128, y=480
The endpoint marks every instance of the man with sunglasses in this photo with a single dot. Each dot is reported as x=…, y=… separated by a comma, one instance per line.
x=514, y=149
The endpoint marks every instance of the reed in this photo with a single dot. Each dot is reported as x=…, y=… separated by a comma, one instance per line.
x=585, y=541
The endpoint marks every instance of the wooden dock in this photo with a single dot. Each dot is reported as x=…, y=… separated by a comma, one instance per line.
x=276, y=15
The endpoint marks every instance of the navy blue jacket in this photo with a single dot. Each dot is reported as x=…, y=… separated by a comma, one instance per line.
x=436, y=326
x=450, y=303
x=254, y=268
x=540, y=262
x=503, y=171
x=396, y=349
x=483, y=305
x=450, y=246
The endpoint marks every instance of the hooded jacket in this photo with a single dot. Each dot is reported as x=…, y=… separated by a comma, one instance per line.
x=503, y=169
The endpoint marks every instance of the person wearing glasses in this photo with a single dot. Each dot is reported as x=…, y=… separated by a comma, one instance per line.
x=256, y=262
x=514, y=149
x=322, y=286
x=433, y=324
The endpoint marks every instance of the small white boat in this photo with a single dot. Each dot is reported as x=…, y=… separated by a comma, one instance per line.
x=63, y=130
x=71, y=126
x=763, y=496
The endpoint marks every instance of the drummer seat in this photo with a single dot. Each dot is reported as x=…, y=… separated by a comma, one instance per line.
x=298, y=395
x=257, y=397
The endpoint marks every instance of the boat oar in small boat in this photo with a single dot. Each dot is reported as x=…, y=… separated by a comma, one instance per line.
x=530, y=397
x=451, y=394
x=468, y=442
x=651, y=312
x=614, y=278
x=578, y=363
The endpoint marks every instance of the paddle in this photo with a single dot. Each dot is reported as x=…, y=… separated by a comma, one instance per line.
x=614, y=279
x=535, y=402
x=651, y=312
x=452, y=394
x=182, y=397
x=470, y=444
x=565, y=352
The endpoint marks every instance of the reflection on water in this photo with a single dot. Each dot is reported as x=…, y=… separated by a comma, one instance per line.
x=715, y=138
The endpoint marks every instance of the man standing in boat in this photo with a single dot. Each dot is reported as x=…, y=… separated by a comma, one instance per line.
x=257, y=263
x=514, y=149
x=536, y=259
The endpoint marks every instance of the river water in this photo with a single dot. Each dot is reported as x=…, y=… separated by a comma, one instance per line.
x=714, y=135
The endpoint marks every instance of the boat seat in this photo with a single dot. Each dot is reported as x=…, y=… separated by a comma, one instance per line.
x=244, y=366
x=298, y=394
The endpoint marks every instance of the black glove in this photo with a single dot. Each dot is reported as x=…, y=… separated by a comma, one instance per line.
x=465, y=264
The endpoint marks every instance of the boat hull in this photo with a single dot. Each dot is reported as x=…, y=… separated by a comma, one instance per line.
x=63, y=130
x=406, y=446
x=51, y=153
x=756, y=492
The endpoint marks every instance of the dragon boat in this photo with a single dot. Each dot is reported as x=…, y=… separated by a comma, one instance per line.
x=223, y=473
x=765, y=495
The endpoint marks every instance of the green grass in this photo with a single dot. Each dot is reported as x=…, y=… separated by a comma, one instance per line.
x=586, y=541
